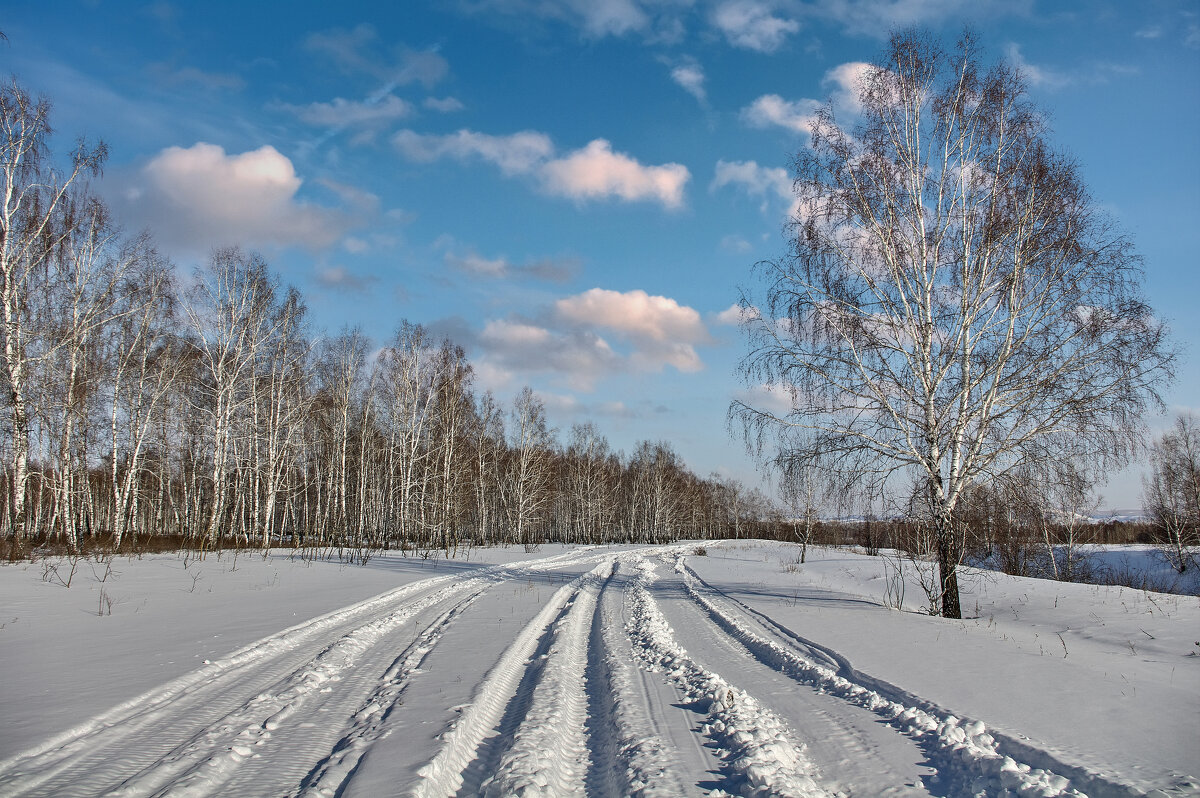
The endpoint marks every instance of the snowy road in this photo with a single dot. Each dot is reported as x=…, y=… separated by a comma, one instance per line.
x=591, y=672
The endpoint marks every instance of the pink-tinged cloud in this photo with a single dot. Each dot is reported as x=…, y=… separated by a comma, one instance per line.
x=593, y=172
x=636, y=313
x=571, y=339
x=596, y=172
x=661, y=331
x=200, y=197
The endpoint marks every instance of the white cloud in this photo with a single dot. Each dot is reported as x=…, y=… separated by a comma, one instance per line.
x=556, y=270
x=362, y=202
x=661, y=331
x=689, y=75
x=560, y=404
x=752, y=24
x=593, y=172
x=518, y=153
x=880, y=17
x=597, y=172
x=341, y=112
x=773, y=185
x=735, y=314
x=771, y=398
x=515, y=345
x=1038, y=77
x=603, y=17
x=845, y=81
x=338, y=278
x=199, y=197
x=444, y=105
x=571, y=340
x=735, y=244
x=654, y=19
x=479, y=266
x=356, y=50
x=771, y=109
x=568, y=405
x=755, y=180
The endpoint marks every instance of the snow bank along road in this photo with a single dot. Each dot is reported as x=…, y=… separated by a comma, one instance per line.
x=597, y=671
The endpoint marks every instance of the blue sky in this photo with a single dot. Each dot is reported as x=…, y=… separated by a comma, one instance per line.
x=573, y=189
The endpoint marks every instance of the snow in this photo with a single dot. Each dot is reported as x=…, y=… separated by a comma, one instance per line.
x=589, y=670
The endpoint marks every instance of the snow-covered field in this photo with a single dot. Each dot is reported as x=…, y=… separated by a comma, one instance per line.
x=588, y=671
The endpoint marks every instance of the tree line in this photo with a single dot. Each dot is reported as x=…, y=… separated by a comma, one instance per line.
x=211, y=413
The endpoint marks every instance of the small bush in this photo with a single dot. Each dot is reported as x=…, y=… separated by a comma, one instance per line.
x=700, y=551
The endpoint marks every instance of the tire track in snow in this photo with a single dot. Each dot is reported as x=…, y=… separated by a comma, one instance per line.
x=167, y=708
x=446, y=772
x=331, y=774
x=549, y=755
x=208, y=761
x=761, y=752
x=32, y=768
x=629, y=758
x=961, y=750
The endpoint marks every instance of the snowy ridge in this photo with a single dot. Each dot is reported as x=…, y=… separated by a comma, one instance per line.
x=956, y=747
x=761, y=749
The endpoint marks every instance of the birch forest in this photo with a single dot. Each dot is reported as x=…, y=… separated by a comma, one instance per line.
x=142, y=403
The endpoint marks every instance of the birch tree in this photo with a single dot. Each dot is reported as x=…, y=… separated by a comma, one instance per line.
x=32, y=199
x=953, y=304
x=1171, y=491
x=529, y=465
x=146, y=366
x=590, y=484
x=229, y=313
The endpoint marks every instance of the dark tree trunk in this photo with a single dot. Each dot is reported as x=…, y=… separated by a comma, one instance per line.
x=948, y=557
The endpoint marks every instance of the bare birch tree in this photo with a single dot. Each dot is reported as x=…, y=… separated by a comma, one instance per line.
x=146, y=365
x=590, y=483
x=1171, y=491
x=954, y=304
x=802, y=488
x=229, y=313
x=32, y=199
x=529, y=466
